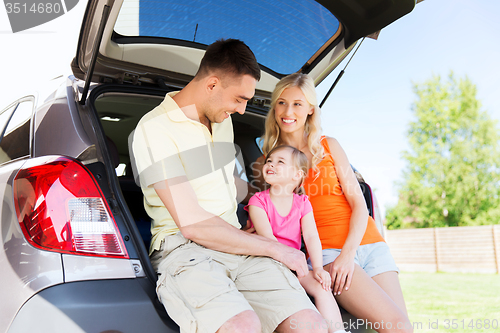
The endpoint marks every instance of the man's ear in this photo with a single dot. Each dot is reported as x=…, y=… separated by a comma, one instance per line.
x=212, y=82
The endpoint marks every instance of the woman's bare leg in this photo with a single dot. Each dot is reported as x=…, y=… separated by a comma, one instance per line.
x=366, y=300
x=389, y=282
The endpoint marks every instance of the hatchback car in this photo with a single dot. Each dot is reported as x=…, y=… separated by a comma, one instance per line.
x=74, y=232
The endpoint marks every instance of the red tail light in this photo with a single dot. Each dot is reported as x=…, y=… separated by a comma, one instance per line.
x=61, y=208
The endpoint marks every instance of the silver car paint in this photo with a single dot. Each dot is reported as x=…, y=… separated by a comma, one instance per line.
x=25, y=270
x=79, y=268
x=49, y=317
x=70, y=139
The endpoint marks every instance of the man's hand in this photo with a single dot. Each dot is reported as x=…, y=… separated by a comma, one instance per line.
x=293, y=259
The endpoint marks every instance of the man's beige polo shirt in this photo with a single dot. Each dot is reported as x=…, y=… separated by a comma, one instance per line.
x=166, y=144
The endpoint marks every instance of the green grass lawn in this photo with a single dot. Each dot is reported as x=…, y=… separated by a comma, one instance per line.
x=455, y=302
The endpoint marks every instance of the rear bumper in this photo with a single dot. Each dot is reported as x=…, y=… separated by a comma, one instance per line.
x=105, y=306
x=127, y=305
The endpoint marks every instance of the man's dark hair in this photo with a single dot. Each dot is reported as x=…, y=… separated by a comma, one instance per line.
x=230, y=56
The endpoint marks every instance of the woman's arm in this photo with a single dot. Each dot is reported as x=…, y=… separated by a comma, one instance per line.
x=343, y=267
x=313, y=245
x=261, y=222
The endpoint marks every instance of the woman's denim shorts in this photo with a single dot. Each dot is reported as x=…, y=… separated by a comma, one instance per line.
x=374, y=258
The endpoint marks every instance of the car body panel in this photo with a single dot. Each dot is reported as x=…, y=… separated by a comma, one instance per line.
x=25, y=269
x=71, y=139
x=93, y=306
x=364, y=17
x=81, y=268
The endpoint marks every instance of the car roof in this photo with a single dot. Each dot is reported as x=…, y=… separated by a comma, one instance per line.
x=162, y=42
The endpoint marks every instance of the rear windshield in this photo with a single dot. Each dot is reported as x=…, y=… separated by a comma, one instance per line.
x=283, y=34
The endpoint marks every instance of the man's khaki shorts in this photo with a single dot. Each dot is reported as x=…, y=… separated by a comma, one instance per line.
x=201, y=288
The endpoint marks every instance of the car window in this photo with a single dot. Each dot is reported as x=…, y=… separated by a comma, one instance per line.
x=283, y=34
x=16, y=139
x=239, y=170
x=260, y=143
x=5, y=115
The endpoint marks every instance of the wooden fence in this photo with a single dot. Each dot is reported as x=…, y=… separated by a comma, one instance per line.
x=453, y=249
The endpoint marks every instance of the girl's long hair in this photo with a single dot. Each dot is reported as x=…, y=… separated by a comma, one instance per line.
x=313, y=121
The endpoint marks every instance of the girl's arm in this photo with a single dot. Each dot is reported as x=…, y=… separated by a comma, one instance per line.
x=313, y=245
x=343, y=267
x=261, y=222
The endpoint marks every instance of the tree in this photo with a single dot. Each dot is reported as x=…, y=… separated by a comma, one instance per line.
x=453, y=166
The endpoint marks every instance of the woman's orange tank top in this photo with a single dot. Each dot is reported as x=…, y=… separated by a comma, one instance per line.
x=332, y=211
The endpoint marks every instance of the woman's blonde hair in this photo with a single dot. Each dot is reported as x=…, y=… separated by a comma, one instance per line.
x=313, y=121
x=299, y=161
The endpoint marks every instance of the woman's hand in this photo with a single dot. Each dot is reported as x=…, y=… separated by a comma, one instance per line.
x=249, y=227
x=341, y=271
x=323, y=277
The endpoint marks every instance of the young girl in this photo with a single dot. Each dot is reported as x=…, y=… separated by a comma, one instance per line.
x=282, y=213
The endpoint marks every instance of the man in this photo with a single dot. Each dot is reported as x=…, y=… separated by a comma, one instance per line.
x=214, y=277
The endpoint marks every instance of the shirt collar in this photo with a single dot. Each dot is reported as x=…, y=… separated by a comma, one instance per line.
x=175, y=113
x=171, y=108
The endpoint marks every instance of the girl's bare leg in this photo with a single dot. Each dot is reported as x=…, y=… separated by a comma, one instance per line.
x=324, y=301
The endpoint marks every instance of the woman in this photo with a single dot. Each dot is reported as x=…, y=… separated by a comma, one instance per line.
x=364, y=276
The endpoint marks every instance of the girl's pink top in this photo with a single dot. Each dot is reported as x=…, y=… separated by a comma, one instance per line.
x=286, y=229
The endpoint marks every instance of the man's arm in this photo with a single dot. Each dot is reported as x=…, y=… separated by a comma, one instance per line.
x=211, y=231
x=261, y=222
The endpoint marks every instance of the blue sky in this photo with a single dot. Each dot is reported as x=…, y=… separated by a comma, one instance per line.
x=370, y=109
